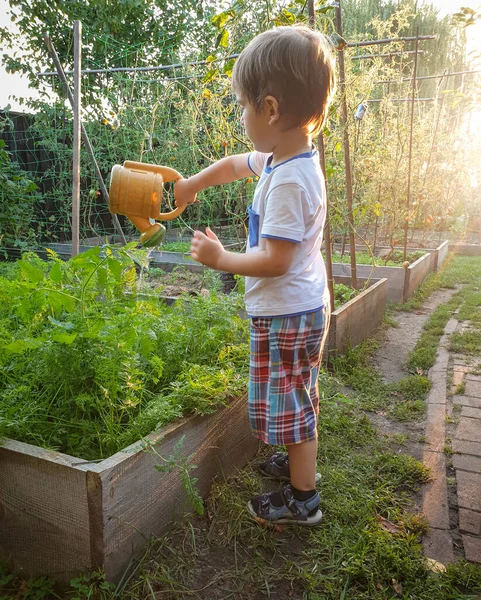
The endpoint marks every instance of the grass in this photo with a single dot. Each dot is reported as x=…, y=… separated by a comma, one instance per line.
x=466, y=342
x=424, y=354
x=464, y=270
x=403, y=400
x=411, y=394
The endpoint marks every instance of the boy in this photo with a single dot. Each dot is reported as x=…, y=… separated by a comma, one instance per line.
x=284, y=80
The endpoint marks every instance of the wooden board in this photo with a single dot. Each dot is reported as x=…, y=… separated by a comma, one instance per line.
x=44, y=514
x=442, y=253
x=467, y=249
x=140, y=502
x=61, y=516
x=415, y=275
x=357, y=320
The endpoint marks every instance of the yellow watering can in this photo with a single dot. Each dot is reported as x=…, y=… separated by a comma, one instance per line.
x=136, y=192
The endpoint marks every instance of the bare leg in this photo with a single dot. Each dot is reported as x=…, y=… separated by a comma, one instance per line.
x=302, y=465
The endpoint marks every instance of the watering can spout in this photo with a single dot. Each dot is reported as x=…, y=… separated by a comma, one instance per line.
x=136, y=191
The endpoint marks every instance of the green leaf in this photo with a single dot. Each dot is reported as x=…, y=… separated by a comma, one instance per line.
x=30, y=272
x=56, y=273
x=64, y=338
x=130, y=246
x=221, y=19
x=288, y=16
x=21, y=346
x=102, y=277
x=229, y=65
x=210, y=75
x=222, y=39
x=93, y=331
x=64, y=325
x=115, y=267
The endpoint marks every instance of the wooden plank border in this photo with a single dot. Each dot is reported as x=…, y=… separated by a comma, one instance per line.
x=357, y=320
x=61, y=516
x=442, y=252
x=415, y=275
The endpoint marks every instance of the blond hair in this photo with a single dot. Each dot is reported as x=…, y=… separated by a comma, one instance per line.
x=295, y=66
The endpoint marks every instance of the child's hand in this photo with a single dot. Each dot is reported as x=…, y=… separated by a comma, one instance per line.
x=183, y=193
x=206, y=248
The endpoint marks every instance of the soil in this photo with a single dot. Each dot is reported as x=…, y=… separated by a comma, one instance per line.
x=182, y=281
x=176, y=283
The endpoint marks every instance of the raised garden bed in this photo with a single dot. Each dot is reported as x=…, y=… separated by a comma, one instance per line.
x=76, y=344
x=402, y=282
x=357, y=320
x=387, y=257
x=61, y=516
x=467, y=249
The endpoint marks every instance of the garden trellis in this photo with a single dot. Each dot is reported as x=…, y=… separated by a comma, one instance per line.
x=183, y=115
x=349, y=193
x=153, y=119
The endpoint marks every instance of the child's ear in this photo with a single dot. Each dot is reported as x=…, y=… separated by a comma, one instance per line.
x=272, y=108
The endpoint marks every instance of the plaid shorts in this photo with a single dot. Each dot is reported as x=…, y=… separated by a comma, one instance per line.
x=285, y=356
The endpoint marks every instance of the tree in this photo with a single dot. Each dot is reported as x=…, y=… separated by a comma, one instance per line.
x=117, y=33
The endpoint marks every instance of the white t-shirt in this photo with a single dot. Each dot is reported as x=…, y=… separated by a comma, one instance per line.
x=289, y=203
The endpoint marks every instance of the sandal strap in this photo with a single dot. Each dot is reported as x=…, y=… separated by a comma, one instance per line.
x=289, y=500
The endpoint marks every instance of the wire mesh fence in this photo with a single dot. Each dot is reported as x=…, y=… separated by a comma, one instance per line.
x=185, y=116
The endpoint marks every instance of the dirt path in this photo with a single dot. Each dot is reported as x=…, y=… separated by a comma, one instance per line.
x=391, y=357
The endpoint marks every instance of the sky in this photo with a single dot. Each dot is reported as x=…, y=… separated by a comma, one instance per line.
x=16, y=85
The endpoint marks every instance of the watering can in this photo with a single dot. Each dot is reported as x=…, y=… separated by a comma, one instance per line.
x=136, y=191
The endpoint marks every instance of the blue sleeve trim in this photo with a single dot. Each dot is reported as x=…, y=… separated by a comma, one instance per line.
x=249, y=164
x=275, y=237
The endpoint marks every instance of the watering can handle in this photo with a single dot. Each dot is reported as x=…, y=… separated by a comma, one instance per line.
x=168, y=175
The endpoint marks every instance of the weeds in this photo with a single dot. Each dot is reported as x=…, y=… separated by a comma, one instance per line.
x=466, y=342
x=410, y=394
x=181, y=464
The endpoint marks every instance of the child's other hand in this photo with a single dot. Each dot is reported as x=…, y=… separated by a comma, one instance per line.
x=183, y=193
x=206, y=248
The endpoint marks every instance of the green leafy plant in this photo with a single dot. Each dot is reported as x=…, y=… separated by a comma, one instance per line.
x=180, y=463
x=89, y=367
x=18, y=194
x=183, y=247
x=343, y=293
x=91, y=586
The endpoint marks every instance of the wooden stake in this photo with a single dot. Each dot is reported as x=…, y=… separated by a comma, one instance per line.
x=322, y=160
x=85, y=137
x=77, y=29
x=408, y=193
x=347, y=154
